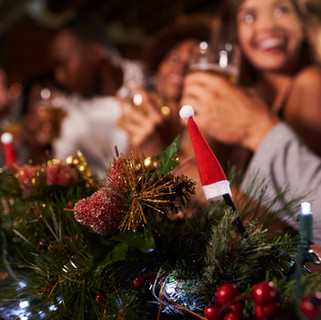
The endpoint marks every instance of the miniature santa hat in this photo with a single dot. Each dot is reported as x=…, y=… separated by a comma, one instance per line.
x=10, y=155
x=211, y=173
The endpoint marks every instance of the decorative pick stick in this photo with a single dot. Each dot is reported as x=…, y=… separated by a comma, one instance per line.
x=214, y=182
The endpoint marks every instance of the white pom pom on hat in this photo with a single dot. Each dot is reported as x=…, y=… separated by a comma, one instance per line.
x=186, y=112
x=6, y=138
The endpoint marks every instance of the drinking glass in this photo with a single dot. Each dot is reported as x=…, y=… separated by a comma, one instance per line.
x=222, y=59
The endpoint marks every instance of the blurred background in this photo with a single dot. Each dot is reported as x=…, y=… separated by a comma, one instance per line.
x=25, y=27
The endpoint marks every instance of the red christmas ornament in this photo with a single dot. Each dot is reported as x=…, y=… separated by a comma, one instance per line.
x=115, y=175
x=233, y=316
x=310, y=306
x=100, y=297
x=102, y=212
x=139, y=282
x=61, y=175
x=212, y=313
x=264, y=293
x=226, y=292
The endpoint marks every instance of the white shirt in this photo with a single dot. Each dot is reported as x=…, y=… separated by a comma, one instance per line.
x=91, y=126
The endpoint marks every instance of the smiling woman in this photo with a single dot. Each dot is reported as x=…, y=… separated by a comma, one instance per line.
x=278, y=61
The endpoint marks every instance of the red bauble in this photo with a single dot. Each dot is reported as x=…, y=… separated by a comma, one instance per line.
x=310, y=306
x=102, y=211
x=212, y=313
x=264, y=293
x=139, y=282
x=233, y=316
x=226, y=292
x=100, y=297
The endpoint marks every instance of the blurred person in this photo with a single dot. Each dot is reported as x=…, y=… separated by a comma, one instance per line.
x=153, y=122
x=277, y=65
x=88, y=66
x=280, y=79
x=42, y=116
x=4, y=94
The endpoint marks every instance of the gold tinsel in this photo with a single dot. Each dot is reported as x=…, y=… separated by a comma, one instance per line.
x=144, y=191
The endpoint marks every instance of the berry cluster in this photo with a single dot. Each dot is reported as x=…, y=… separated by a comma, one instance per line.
x=227, y=304
x=264, y=295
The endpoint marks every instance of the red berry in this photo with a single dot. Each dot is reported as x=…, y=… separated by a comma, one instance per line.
x=271, y=310
x=139, y=282
x=226, y=292
x=310, y=306
x=264, y=293
x=233, y=316
x=100, y=297
x=70, y=204
x=212, y=313
x=237, y=307
x=152, y=279
x=258, y=312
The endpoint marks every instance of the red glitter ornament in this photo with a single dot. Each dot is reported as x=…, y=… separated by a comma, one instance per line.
x=102, y=211
x=115, y=173
x=264, y=293
x=212, y=313
x=226, y=292
x=61, y=175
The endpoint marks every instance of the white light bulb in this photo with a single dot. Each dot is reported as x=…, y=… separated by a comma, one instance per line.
x=305, y=208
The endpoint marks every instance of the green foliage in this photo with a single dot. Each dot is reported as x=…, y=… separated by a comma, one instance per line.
x=183, y=261
x=167, y=164
x=243, y=260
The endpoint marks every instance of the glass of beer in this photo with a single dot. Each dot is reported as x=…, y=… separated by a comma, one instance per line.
x=222, y=59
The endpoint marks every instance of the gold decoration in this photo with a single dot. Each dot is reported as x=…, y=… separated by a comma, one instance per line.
x=147, y=192
x=151, y=163
x=81, y=164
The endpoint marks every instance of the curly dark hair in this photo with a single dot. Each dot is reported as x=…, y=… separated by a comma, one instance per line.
x=199, y=27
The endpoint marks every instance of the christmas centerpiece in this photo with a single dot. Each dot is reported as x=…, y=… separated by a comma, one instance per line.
x=76, y=249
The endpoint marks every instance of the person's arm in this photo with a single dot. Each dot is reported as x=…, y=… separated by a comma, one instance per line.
x=303, y=108
x=284, y=158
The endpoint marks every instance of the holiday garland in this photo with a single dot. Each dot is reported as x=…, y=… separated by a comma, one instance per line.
x=76, y=249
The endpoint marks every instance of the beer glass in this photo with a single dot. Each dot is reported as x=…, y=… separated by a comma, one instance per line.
x=222, y=59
